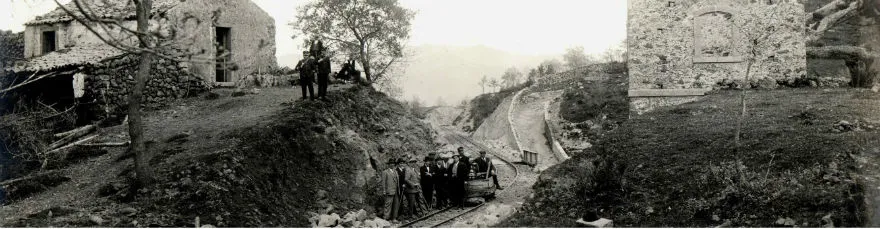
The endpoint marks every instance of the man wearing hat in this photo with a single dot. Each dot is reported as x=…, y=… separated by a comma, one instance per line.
x=484, y=165
x=415, y=203
x=401, y=176
x=391, y=191
x=306, y=68
x=428, y=172
x=441, y=177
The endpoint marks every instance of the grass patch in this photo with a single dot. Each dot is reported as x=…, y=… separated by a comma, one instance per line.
x=593, y=99
x=679, y=166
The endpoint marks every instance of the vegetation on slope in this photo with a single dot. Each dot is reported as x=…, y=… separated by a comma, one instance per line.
x=679, y=166
x=313, y=157
x=484, y=105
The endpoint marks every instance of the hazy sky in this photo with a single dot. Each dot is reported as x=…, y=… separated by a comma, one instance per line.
x=535, y=27
x=527, y=27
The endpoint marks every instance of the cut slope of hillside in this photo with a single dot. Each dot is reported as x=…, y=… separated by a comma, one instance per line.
x=527, y=118
x=679, y=166
x=272, y=171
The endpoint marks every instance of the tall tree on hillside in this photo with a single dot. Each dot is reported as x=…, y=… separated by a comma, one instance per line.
x=550, y=66
x=575, y=57
x=374, y=31
x=533, y=74
x=511, y=77
x=493, y=83
x=484, y=82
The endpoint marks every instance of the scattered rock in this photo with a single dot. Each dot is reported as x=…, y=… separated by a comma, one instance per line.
x=370, y=224
x=328, y=220
x=129, y=211
x=845, y=126
x=827, y=221
x=207, y=226
x=475, y=200
x=381, y=222
x=96, y=219
x=361, y=215
x=786, y=222
x=600, y=223
x=649, y=211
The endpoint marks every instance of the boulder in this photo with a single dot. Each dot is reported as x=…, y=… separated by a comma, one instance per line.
x=381, y=222
x=328, y=220
x=600, y=223
x=361, y=215
x=370, y=224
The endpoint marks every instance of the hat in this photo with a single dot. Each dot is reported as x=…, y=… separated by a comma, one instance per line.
x=482, y=152
x=392, y=160
x=412, y=159
x=401, y=160
x=428, y=158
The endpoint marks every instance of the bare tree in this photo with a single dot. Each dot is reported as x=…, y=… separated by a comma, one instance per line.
x=493, y=83
x=160, y=40
x=484, y=82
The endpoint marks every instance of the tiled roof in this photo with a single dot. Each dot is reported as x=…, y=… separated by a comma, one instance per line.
x=100, y=8
x=74, y=56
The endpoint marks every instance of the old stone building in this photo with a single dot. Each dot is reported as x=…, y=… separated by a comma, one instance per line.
x=680, y=49
x=200, y=27
x=212, y=42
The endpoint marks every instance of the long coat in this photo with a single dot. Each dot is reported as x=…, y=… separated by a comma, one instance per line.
x=413, y=181
x=390, y=182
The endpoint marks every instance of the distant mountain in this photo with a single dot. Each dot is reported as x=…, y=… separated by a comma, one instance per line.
x=450, y=72
x=453, y=72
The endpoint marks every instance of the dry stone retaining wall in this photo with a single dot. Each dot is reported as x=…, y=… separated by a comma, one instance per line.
x=108, y=84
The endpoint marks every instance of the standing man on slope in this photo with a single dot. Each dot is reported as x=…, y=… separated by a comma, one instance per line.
x=323, y=70
x=391, y=191
x=306, y=68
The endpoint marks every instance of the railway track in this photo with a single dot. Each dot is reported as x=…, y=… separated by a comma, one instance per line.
x=443, y=216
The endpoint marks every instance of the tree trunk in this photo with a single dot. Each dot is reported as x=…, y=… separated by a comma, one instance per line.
x=135, y=122
x=742, y=114
x=365, y=62
x=859, y=61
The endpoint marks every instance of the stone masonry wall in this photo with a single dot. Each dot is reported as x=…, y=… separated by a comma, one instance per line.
x=697, y=44
x=108, y=84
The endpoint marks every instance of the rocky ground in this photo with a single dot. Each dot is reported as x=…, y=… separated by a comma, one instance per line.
x=237, y=159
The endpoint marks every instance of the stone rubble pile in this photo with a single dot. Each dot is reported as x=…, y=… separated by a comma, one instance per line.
x=358, y=219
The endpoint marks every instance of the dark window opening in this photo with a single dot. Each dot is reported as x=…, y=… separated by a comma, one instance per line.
x=49, y=44
x=224, y=54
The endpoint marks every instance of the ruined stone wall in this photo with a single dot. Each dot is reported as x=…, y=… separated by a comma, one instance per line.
x=697, y=44
x=252, y=35
x=108, y=84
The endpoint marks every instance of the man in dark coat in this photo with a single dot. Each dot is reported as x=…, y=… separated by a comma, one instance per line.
x=306, y=68
x=323, y=65
x=441, y=178
x=427, y=172
x=459, y=174
x=484, y=165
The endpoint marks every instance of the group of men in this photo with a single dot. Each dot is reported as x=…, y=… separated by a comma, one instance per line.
x=440, y=181
x=316, y=64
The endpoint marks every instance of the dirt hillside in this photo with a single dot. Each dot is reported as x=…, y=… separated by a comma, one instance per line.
x=269, y=164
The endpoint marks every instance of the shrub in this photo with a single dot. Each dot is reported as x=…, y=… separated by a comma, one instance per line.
x=25, y=136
